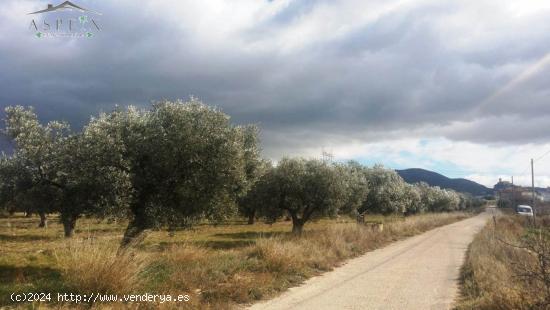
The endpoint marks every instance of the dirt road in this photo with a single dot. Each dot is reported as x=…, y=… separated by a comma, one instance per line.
x=417, y=273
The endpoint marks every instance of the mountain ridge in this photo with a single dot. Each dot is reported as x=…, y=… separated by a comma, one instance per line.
x=415, y=175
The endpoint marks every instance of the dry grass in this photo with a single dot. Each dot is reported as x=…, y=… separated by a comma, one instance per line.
x=93, y=266
x=275, y=263
x=489, y=276
x=218, y=266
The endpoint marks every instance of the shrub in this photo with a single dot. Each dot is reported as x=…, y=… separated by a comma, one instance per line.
x=94, y=266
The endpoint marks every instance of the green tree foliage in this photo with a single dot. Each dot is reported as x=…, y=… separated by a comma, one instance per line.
x=355, y=186
x=435, y=199
x=179, y=162
x=254, y=168
x=414, y=203
x=26, y=176
x=303, y=189
x=445, y=200
x=15, y=188
x=427, y=196
x=88, y=185
x=388, y=192
x=58, y=170
x=252, y=205
x=185, y=161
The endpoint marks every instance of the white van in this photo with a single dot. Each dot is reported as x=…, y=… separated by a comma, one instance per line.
x=524, y=210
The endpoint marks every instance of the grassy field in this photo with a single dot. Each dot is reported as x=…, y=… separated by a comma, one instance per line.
x=500, y=271
x=217, y=266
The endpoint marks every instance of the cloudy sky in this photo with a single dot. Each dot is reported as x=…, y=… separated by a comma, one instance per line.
x=458, y=87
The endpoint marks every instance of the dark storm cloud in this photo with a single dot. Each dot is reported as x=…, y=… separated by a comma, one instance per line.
x=412, y=66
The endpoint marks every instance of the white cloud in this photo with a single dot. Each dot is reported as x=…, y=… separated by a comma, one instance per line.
x=482, y=163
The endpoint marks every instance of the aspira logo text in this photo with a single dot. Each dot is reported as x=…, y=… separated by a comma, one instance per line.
x=65, y=20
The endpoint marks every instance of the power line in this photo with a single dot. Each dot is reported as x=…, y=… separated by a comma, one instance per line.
x=524, y=172
x=540, y=157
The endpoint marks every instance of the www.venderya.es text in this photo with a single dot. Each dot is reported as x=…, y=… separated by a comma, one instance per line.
x=96, y=297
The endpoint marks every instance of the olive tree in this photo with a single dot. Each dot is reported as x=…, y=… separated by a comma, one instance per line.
x=254, y=168
x=19, y=193
x=12, y=177
x=303, y=189
x=413, y=195
x=387, y=192
x=444, y=200
x=32, y=166
x=88, y=186
x=428, y=196
x=58, y=170
x=184, y=161
x=252, y=204
x=355, y=186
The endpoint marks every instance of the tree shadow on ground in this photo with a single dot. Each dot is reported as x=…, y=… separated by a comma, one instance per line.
x=26, y=238
x=224, y=244
x=212, y=244
x=21, y=274
x=99, y=230
x=252, y=235
x=25, y=279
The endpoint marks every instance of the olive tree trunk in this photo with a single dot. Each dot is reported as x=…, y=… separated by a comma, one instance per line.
x=297, y=227
x=251, y=218
x=134, y=234
x=43, y=220
x=137, y=228
x=69, y=222
x=298, y=222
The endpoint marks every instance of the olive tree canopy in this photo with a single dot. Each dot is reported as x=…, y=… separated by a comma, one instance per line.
x=302, y=188
x=355, y=185
x=388, y=192
x=254, y=168
x=184, y=161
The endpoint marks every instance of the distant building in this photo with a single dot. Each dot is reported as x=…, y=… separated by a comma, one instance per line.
x=505, y=190
x=519, y=194
x=502, y=185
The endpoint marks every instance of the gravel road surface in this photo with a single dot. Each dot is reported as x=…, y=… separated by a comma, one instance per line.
x=420, y=272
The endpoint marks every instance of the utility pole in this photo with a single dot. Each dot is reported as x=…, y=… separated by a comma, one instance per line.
x=533, y=187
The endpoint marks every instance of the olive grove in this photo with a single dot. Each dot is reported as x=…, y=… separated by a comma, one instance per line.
x=176, y=163
x=55, y=170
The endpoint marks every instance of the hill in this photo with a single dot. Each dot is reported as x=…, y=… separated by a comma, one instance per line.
x=415, y=175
